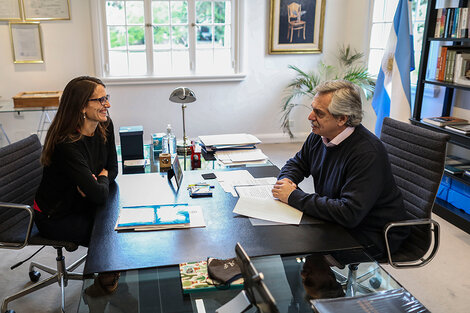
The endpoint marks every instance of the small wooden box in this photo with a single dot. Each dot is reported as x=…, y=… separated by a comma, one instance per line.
x=37, y=99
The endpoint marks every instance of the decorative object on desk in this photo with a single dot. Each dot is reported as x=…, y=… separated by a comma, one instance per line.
x=445, y=120
x=396, y=300
x=176, y=172
x=200, y=190
x=461, y=129
x=132, y=142
x=165, y=161
x=157, y=143
x=28, y=99
x=47, y=10
x=26, y=42
x=296, y=27
x=169, y=141
x=195, y=155
x=349, y=66
x=183, y=95
x=195, y=277
x=153, y=217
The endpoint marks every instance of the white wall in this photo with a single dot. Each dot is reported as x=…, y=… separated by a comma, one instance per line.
x=252, y=105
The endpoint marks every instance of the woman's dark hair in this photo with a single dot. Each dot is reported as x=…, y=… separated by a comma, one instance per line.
x=69, y=117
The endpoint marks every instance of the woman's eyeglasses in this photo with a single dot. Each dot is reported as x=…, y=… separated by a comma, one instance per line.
x=101, y=100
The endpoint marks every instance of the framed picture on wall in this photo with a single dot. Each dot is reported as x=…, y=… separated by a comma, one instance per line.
x=10, y=10
x=26, y=42
x=296, y=26
x=46, y=10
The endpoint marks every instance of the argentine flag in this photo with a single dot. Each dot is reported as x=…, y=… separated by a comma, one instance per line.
x=392, y=90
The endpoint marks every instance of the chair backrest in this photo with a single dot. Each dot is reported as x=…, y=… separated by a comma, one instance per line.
x=20, y=176
x=417, y=158
x=293, y=10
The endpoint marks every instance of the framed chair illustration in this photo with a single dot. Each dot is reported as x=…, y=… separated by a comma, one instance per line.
x=294, y=20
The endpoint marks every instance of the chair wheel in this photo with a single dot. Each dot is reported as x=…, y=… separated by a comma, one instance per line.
x=375, y=282
x=34, y=276
x=9, y=311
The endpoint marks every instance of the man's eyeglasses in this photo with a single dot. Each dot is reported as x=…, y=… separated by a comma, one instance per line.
x=101, y=100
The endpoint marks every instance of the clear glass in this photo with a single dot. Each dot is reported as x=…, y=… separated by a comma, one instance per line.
x=136, y=35
x=180, y=62
x=179, y=12
x=162, y=62
x=161, y=37
x=390, y=8
x=135, y=12
x=115, y=13
x=221, y=12
x=179, y=35
x=222, y=36
x=160, y=12
x=137, y=63
x=117, y=37
x=378, y=14
x=375, y=61
x=204, y=35
x=204, y=60
x=222, y=60
x=203, y=12
x=118, y=63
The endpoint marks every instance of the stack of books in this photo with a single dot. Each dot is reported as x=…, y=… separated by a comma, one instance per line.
x=213, y=143
x=461, y=129
x=445, y=120
x=455, y=165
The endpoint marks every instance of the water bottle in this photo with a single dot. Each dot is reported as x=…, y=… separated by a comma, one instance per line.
x=169, y=141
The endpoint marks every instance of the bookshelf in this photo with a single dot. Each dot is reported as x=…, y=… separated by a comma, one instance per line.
x=442, y=208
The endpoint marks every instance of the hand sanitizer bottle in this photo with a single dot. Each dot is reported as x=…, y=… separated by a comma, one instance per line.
x=169, y=141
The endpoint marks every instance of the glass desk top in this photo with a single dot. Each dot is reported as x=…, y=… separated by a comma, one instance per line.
x=292, y=280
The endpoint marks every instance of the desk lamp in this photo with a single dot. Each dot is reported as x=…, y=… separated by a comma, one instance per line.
x=183, y=95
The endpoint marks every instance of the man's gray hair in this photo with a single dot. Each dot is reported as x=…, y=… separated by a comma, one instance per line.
x=346, y=99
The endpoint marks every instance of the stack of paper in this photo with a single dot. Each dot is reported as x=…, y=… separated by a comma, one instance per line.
x=242, y=156
x=228, y=141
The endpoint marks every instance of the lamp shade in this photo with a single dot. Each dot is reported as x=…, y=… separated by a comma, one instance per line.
x=182, y=95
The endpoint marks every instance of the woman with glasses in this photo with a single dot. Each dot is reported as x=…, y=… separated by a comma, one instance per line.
x=79, y=159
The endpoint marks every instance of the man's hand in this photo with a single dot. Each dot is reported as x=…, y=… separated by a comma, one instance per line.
x=104, y=172
x=283, y=188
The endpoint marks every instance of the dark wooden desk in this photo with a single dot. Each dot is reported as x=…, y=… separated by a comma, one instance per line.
x=113, y=251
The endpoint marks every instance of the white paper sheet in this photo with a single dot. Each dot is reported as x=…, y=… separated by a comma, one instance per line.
x=268, y=209
x=229, y=139
x=228, y=156
x=145, y=189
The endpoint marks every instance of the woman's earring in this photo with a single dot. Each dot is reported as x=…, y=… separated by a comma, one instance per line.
x=84, y=116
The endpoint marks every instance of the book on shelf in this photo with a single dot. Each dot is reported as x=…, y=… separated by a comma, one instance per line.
x=153, y=217
x=445, y=120
x=456, y=165
x=195, y=277
x=461, y=129
x=462, y=68
x=456, y=169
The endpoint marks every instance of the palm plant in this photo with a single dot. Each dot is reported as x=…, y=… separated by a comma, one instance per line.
x=350, y=67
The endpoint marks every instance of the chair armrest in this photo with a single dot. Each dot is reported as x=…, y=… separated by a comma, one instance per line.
x=30, y=211
x=415, y=222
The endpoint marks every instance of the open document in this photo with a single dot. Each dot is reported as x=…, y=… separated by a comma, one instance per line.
x=257, y=201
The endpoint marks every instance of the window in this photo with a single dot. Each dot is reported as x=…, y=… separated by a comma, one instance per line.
x=167, y=38
x=382, y=19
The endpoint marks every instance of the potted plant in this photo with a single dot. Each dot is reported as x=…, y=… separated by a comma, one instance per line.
x=350, y=67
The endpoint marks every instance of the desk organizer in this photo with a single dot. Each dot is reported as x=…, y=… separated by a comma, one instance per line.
x=37, y=99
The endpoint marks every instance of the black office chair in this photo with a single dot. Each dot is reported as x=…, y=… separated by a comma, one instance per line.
x=20, y=175
x=417, y=158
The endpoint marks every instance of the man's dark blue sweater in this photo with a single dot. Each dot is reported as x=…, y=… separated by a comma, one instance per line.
x=354, y=186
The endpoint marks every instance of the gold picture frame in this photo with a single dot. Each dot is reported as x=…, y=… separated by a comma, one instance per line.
x=296, y=26
x=26, y=42
x=46, y=10
x=10, y=10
